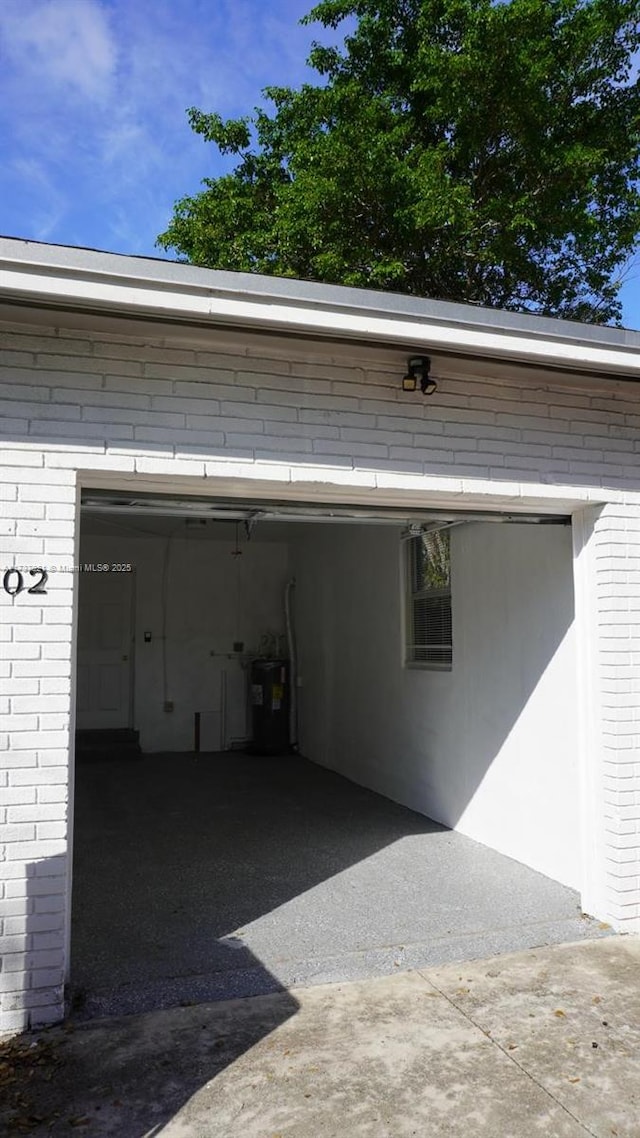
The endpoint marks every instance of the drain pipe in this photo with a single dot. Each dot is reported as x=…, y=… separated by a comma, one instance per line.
x=293, y=664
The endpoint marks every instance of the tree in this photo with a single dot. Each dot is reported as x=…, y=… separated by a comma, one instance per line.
x=485, y=151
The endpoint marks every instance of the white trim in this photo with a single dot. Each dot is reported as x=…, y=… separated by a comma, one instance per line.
x=104, y=291
x=71, y=782
x=593, y=889
x=332, y=485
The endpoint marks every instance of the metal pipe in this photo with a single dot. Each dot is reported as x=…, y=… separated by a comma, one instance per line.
x=293, y=663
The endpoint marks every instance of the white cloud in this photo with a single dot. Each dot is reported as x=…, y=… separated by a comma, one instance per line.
x=95, y=92
x=64, y=43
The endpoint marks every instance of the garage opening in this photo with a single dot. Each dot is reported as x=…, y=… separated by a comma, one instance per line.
x=316, y=744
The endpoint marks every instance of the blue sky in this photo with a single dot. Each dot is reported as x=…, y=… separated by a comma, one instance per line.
x=93, y=133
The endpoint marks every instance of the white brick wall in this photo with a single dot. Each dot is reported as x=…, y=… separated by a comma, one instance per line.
x=238, y=408
x=115, y=404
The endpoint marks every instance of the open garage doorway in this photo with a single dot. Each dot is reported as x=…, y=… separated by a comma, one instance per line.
x=416, y=800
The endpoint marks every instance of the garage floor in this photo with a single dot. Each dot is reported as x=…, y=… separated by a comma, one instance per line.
x=204, y=877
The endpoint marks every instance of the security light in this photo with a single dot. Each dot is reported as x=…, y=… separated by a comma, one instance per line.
x=418, y=369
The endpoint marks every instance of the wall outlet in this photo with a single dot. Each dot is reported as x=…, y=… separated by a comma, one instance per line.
x=168, y=705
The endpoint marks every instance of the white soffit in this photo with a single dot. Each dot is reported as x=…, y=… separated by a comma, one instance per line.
x=90, y=281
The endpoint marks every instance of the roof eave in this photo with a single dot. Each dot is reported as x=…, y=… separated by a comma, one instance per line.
x=317, y=311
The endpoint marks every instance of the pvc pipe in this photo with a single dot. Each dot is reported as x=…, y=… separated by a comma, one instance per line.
x=293, y=662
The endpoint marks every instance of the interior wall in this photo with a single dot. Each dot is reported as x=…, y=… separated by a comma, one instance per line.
x=489, y=748
x=201, y=598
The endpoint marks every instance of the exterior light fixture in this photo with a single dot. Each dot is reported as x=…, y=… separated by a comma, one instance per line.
x=418, y=369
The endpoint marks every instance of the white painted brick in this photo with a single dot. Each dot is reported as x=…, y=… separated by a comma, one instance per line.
x=148, y=386
x=46, y=977
x=22, y=510
x=175, y=468
x=181, y=372
x=54, y=812
x=15, y=460
x=21, y=833
x=52, y=793
x=193, y=406
x=24, y=546
x=18, y=357
x=36, y=527
x=40, y=703
x=22, y=723
x=52, y=939
x=13, y=943
x=15, y=907
x=23, y=758
x=45, y=492
x=14, y=796
x=80, y=435
x=37, y=776
x=49, y=903
x=86, y=365
x=30, y=999
x=26, y=851
x=57, y=651
x=30, y=740
x=187, y=436
x=51, y=723
x=10, y=872
x=95, y=460
x=58, y=614
x=13, y=981
x=49, y=958
x=28, y=668
x=17, y=962
x=45, y=340
x=357, y=450
x=40, y=632
x=18, y=888
x=143, y=351
x=14, y=1021
x=44, y=886
x=113, y=416
x=56, y=511
x=56, y=685
x=275, y=412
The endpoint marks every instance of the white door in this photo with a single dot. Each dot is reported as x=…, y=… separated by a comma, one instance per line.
x=105, y=644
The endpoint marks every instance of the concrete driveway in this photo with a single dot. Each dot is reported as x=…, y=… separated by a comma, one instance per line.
x=543, y=1042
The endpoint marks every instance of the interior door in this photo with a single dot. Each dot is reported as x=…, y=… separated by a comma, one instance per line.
x=105, y=649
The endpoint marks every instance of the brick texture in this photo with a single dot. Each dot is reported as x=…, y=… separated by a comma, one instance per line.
x=247, y=409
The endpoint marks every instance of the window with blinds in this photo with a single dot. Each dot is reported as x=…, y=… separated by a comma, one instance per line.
x=429, y=639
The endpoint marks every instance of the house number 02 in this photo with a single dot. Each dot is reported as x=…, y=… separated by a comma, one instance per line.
x=13, y=582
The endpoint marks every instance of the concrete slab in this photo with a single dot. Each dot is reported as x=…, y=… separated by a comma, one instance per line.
x=570, y=1019
x=214, y=876
x=474, y=1050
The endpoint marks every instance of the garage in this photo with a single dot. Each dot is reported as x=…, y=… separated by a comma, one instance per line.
x=454, y=492
x=316, y=744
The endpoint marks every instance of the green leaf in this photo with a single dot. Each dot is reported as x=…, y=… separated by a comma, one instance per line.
x=464, y=149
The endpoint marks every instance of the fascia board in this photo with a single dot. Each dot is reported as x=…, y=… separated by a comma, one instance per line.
x=115, y=294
